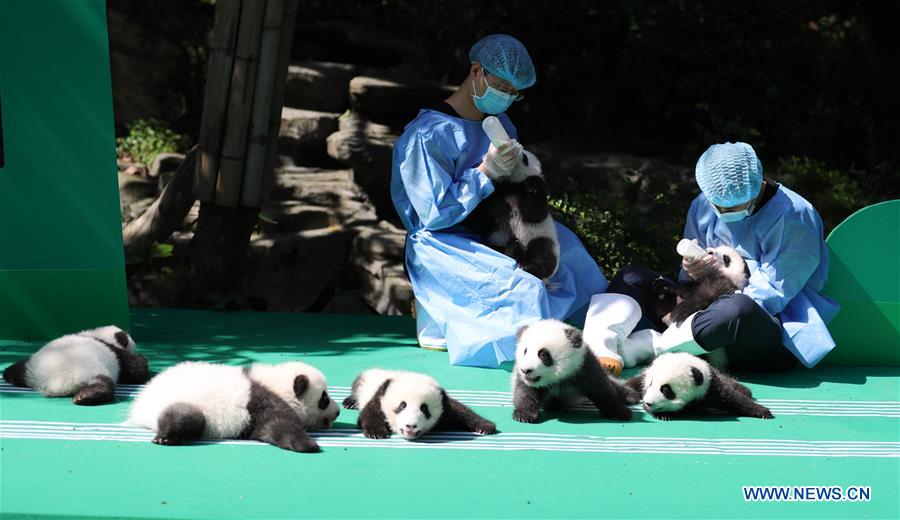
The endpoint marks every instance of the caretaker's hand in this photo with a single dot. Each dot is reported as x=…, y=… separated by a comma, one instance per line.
x=695, y=267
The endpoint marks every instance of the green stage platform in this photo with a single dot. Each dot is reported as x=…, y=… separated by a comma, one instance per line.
x=834, y=426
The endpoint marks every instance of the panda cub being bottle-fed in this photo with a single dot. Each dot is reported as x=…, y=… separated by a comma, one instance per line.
x=554, y=367
x=731, y=274
x=515, y=219
x=86, y=365
x=676, y=382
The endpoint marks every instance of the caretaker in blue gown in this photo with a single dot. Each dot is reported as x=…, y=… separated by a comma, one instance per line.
x=471, y=299
x=780, y=317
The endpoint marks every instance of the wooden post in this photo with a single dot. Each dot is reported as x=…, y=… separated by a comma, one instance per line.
x=284, y=57
x=218, y=81
x=240, y=102
x=259, y=136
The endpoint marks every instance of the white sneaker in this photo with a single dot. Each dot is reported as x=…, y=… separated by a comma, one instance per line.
x=610, y=319
x=637, y=349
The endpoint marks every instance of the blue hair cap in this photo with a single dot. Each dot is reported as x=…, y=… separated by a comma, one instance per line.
x=505, y=57
x=729, y=174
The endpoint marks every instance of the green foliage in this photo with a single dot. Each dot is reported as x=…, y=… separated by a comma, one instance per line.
x=833, y=193
x=617, y=235
x=148, y=137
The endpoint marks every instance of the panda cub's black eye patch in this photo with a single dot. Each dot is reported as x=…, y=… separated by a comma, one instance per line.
x=667, y=391
x=545, y=357
x=425, y=411
x=400, y=407
x=726, y=260
x=323, y=401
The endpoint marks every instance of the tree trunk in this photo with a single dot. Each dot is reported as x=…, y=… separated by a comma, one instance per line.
x=165, y=215
x=218, y=254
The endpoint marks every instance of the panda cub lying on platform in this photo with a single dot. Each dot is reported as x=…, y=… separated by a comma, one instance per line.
x=678, y=381
x=409, y=404
x=515, y=219
x=554, y=367
x=86, y=365
x=275, y=404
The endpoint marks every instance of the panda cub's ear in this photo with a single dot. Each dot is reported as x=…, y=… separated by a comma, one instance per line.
x=697, y=375
x=574, y=336
x=520, y=332
x=301, y=383
x=122, y=338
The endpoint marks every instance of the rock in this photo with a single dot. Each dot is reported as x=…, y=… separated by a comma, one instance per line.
x=377, y=263
x=394, y=101
x=303, y=133
x=165, y=163
x=367, y=147
x=305, y=126
x=384, y=242
x=384, y=286
x=133, y=189
x=618, y=176
x=289, y=272
x=360, y=142
x=319, y=86
x=296, y=182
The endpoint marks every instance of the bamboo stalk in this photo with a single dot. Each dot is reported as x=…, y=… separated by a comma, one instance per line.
x=259, y=137
x=240, y=102
x=218, y=80
x=284, y=57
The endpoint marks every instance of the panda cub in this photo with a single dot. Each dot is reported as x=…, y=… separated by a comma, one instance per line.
x=554, y=367
x=409, y=404
x=274, y=404
x=679, y=381
x=731, y=275
x=86, y=365
x=515, y=219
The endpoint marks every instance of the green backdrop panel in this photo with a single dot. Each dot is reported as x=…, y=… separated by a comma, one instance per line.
x=59, y=210
x=864, y=277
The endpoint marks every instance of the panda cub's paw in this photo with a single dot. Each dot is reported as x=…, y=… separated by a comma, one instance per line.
x=377, y=431
x=350, y=403
x=663, y=416
x=484, y=427
x=524, y=416
x=762, y=413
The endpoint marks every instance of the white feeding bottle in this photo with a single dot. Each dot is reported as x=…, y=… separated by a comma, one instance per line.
x=495, y=131
x=689, y=250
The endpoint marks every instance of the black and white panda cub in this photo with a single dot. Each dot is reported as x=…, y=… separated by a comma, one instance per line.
x=275, y=404
x=731, y=275
x=409, y=404
x=86, y=365
x=515, y=219
x=679, y=381
x=554, y=367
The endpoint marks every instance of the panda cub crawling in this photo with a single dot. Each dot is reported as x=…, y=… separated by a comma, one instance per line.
x=86, y=365
x=275, y=404
x=679, y=381
x=554, y=367
x=731, y=274
x=409, y=404
x=515, y=219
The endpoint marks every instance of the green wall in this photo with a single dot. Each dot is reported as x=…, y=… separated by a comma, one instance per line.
x=61, y=258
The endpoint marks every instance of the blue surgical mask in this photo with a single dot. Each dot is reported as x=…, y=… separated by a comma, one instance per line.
x=734, y=216
x=492, y=101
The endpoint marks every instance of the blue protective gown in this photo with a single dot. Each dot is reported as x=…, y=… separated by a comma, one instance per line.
x=788, y=261
x=468, y=294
